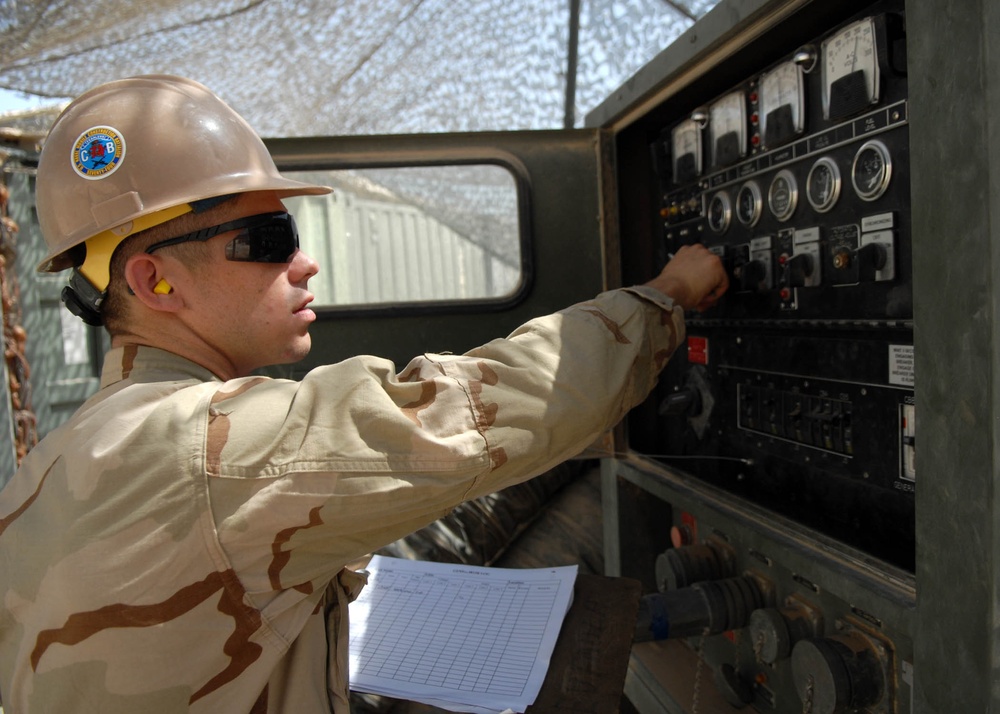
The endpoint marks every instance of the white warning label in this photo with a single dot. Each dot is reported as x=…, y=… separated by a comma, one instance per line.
x=901, y=365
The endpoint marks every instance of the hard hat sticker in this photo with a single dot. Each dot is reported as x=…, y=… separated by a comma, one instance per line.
x=98, y=152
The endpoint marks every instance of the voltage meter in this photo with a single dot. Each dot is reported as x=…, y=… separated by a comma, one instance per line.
x=686, y=140
x=782, y=102
x=850, y=70
x=727, y=129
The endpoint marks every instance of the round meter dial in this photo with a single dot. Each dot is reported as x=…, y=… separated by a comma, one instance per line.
x=823, y=184
x=782, y=104
x=783, y=195
x=850, y=70
x=872, y=170
x=727, y=129
x=720, y=212
x=749, y=204
x=686, y=141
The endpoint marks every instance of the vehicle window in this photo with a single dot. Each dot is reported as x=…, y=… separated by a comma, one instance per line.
x=412, y=234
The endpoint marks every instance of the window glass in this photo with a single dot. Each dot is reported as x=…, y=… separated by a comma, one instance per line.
x=411, y=234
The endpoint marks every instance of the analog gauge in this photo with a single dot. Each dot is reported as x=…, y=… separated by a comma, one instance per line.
x=783, y=195
x=686, y=139
x=823, y=184
x=727, y=129
x=782, y=104
x=872, y=170
x=749, y=204
x=850, y=70
x=720, y=212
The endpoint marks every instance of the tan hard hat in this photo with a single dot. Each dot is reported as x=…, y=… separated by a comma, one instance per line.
x=136, y=152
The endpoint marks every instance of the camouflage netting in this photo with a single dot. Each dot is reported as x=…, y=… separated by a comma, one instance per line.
x=319, y=67
x=15, y=338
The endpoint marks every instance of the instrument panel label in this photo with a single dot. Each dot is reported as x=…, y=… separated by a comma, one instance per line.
x=901, y=365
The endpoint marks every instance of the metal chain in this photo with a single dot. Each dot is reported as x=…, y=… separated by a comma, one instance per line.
x=737, y=640
x=758, y=647
x=14, y=337
x=697, y=671
x=807, y=702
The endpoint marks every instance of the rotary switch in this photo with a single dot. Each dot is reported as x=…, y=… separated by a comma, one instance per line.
x=750, y=275
x=797, y=269
x=871, y=258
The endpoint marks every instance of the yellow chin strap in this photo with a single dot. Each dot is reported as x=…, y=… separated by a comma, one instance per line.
x=96, y=266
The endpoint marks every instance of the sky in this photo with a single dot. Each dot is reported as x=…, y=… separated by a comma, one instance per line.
x=16, y=101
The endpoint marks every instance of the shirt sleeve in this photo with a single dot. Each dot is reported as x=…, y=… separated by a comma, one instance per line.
x=557, y=383
x=307, y=476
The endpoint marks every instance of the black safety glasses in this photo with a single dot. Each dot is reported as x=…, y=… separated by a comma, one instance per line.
x=264, y=238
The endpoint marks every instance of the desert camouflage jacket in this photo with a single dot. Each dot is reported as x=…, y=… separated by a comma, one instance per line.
x=180, y=544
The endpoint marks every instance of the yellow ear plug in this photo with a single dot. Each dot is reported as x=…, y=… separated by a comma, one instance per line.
x=162, y=288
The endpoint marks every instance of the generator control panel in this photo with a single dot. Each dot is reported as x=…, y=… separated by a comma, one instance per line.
x=768, y=502
x=796, y=391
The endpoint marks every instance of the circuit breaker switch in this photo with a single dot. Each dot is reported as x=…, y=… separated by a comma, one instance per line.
x=908, y=441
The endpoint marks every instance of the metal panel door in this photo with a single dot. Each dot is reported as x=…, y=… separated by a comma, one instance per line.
x=561, y=199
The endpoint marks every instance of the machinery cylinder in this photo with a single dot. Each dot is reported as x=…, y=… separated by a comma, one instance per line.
x=837, y=674
x=680, y=567
x=705, y=608
x=774, y=631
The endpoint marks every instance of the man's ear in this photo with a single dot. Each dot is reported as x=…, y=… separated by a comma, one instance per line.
x=145, y=276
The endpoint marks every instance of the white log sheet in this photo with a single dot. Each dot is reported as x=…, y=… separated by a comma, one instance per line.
x=458, y=637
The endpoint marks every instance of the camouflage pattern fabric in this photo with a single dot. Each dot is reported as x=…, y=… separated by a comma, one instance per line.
x=180, y=544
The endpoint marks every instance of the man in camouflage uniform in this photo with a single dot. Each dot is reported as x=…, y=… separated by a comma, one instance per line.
x=180, y=544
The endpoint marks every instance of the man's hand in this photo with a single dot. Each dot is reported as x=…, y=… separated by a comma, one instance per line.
x=694, y=278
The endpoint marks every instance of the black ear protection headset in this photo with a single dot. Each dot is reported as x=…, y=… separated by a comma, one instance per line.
x=84, y=299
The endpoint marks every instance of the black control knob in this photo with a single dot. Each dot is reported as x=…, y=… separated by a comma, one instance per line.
x=750, y=275
x=837, y=674
x=798, y=269
x=870, y=259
